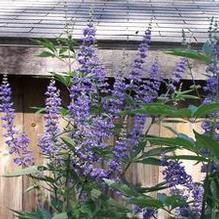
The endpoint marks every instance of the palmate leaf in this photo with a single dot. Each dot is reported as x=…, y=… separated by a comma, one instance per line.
x=183, y=95
x=47, y=44
x=64, y=78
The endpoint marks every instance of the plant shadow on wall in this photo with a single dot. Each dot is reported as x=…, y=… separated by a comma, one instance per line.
x=88, y=157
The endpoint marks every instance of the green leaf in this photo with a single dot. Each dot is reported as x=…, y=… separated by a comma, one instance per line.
x=158, y=151
x=63, y=50
x=157, y=187
x=207, y=48
x=214, y=186
x=188, y=157
x=65, y=79
x=188, y=96
x=60, y=216
x=46, y=54
x=95, y=194
x=193, y=109
x=47, y=44
x=38, y=109
x=38, y=214
x=146, y=201
x=23, y=172
x=150, y=160
x=64, y=111
x=183, y=95
x=204, y=141
x=68, y=141
x=137, y=149
x=205, y=109
x=173, y=121
x=103, y=152
x=57, y=204
x=171, y=201
x=23, y=214
x=189, y=53
x=179, y=141
x=125, y=189
x=161, y=110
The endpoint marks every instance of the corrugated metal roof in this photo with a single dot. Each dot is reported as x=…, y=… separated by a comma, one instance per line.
x=115, y=19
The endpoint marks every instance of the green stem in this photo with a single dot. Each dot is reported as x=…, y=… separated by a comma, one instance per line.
x=67, y=186
x=205, y=186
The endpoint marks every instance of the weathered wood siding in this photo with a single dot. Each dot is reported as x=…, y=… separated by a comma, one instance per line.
x=23, y=60
x=28, y=92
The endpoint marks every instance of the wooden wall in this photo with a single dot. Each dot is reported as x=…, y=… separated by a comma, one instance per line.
x=28, y=92
x=23, y=60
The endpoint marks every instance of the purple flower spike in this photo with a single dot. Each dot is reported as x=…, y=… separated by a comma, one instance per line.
x=197, y=195
x=137, y=68
x=117, y=102
x=178, y=73
x=148, y=213
x=17, y=142
x=80, y=108
x=88, y=60
x=175, y=174
x=148, y=91
x=48, y=142
x=26, y=157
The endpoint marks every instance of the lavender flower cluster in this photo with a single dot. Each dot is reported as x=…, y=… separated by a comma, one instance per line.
x=49, y=144
x=182, y=185
x=18, y=142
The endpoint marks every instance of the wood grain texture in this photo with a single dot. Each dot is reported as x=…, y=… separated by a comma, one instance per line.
x=22, y=60
x=33, y=127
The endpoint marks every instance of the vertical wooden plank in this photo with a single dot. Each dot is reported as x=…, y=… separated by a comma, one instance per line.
x=148, y=175
x=145, y=175
x=191, y=168
x=33, y=127
x=10, y=188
